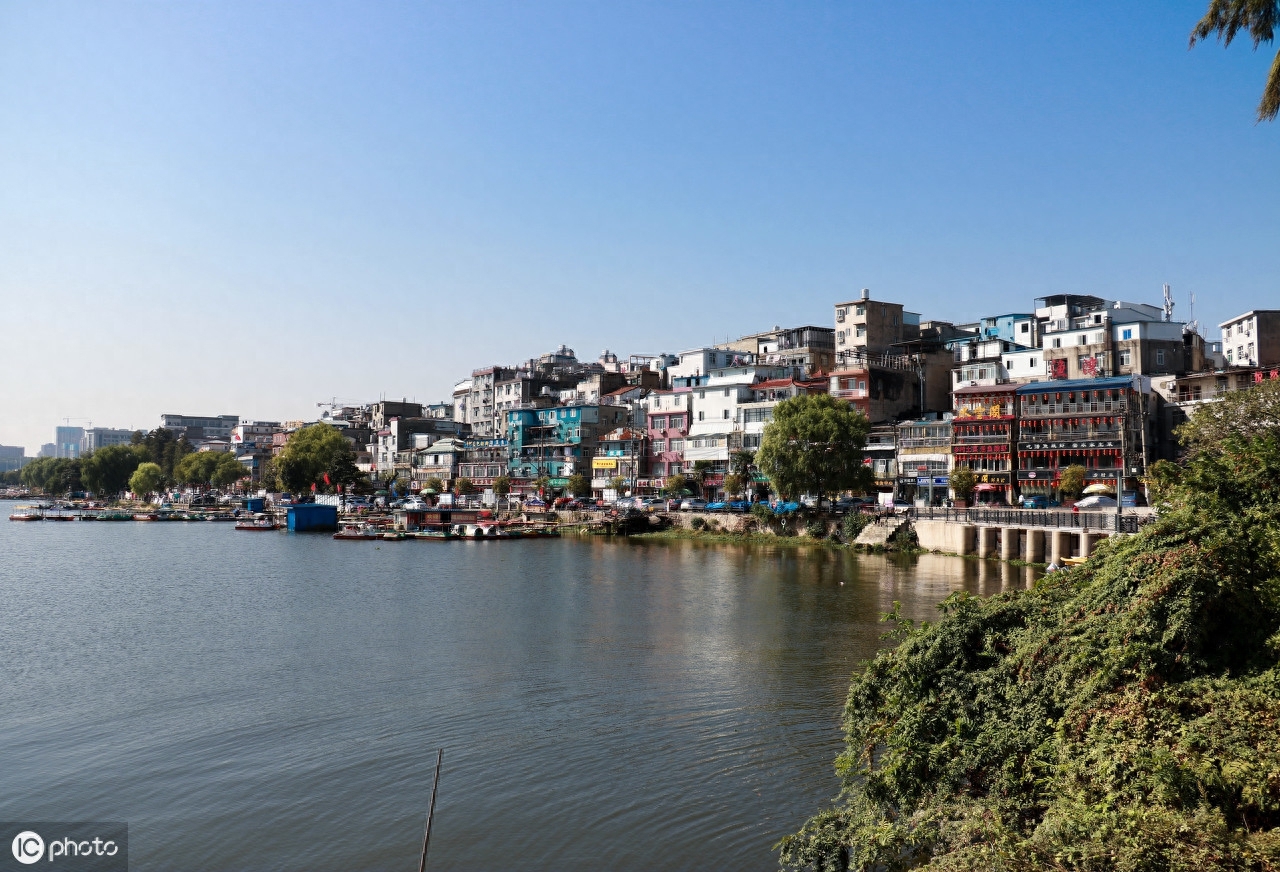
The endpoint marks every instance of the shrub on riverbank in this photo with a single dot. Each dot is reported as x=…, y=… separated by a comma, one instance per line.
x=1125, y=715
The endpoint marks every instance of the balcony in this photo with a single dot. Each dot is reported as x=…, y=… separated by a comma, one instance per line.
x=981, y=440
x=1048, y=410
x=851, y=394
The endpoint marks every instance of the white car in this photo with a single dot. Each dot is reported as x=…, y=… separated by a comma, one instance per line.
x=693, y=504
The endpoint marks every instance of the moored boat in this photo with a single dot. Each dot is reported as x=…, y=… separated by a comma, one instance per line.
x=145, y=516
x=257, y=523
x=27, y=513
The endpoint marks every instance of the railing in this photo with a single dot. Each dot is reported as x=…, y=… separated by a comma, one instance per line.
x=851, y=394
x=1044, y=410
x=1104, y=521
x=927, y=442
x=981, y=440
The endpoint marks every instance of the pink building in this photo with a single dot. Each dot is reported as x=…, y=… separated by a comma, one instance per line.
x=669, y=414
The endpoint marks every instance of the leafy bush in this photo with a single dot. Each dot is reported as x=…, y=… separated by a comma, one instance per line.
x=762, y=512
x=815, y=529
x=853, y=524
x=698, y=523
x=1121, y=716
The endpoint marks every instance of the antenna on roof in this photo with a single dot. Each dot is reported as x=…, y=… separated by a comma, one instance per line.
x=1168, y=303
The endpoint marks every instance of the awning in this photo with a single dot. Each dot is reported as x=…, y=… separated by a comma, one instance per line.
x=988, y=487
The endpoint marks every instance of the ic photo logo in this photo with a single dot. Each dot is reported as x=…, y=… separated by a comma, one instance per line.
x=82, y=846
x=28, y=847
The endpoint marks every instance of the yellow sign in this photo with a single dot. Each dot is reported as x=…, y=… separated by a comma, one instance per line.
x=604, y=463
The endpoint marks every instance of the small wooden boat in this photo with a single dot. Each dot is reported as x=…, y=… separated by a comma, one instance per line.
x=355, y=532
x=146, y=516
x=433, y=535
x=1075, y=561
x=257, y=523
x=27, y=513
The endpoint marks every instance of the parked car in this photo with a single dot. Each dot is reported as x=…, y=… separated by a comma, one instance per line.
x=717, y=506
x=739, y=506
x=784, y=508
x=1035, y=501
x=1132, y=500
x=693, y=504
x=1096, y=502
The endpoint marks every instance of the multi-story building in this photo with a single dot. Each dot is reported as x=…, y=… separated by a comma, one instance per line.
x=259, y=433
x=393, y=444
x=557, y=442
x=885, y=387
x=483, y=461
x=13, y=458
x=197, y=428
x=1252, y=339
x=1019, y=328
x=924, y=460
x=1097, y=423
x=436, y=458
x=882, y=456
x=481, y=399
x=805, y=350
x=716, y=430
x=100, y=437
x=695, y=365
x=983, y=362
x=1025, y=365
x=984, y=436
x=669, y=414
x=623, y=453
x=1085, y=337
x=67, y=441
x=869, y=327
x=756, y=413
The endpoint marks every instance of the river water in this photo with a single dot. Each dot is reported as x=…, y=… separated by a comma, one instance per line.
x=270, y=701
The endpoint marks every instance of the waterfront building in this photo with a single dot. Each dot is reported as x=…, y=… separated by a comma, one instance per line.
x=669, y=416
x=257, y=433
x=697, y=364
x=716, y=428
x=199, y=427
x=13, y=458
x=884, y=387
x=924, y=460
x=882, y=456
x=100, y=437
x=1252, y=339
x=984, y=435
x=623, y=454
x=557, y=442
x=1182, y=394
x=438, y=458
x=393, y=443
x=483, y=461
x=67, y=441
x=1096, y=423
x=1019, y=328
x=867, y=327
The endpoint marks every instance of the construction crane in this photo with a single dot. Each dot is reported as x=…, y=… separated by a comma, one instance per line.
x=333, y=404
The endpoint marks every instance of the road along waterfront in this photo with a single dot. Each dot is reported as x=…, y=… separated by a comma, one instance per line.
x=276, y=702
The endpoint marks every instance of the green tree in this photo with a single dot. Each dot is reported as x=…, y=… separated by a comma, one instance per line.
x=146, y=479
x=734, y=483
x=618, y=483
x=1117, y=716
x=196, y=468
x=316, y=455
x=814, y=445
x=1258, y=18
x=227, y=471
x=502, y=485
x=675, y=484
x=579, y=485
x=1071, y=481
x=464, y=486
x=106, y=471
x=542, y=483
x=434, y=484
x=963, y=481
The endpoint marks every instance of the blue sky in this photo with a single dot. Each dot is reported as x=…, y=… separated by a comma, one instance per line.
x=249, y=207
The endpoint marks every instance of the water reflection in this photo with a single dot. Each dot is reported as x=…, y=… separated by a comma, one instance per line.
x=258, y=702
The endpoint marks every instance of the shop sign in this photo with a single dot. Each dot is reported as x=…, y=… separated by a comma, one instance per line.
x=604, y=463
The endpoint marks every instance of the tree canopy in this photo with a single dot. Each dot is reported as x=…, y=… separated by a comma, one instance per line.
x=216, y=468
x=146, y=479
x=1119, y=716
x=814, y=445
x=106, y=471
x=316, y=455
x=52, y=475
x=1258, y=18
x=963, y=481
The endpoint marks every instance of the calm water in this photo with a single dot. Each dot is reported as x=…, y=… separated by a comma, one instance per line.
x=271, y=701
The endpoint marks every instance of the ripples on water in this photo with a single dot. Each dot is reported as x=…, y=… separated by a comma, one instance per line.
x=275, y=701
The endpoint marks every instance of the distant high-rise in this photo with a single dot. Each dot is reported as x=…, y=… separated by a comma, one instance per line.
x=12, y=458
x=66, y=441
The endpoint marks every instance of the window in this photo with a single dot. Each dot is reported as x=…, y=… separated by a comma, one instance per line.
x=726, y=414
x=677, y=445
x=1159, y=357
x=677, y=422
x=1080, y=359
x=1057, y=342
x=862, y=330
x=659, y=446
x=1124, y=357
x=1083, y=339
x=1024, y=327
x=1032, y=363
x=1126, y=333
x=859, y=310
x=726, y=392
x=702, y=395
x=659, y=424
x=702, y=416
